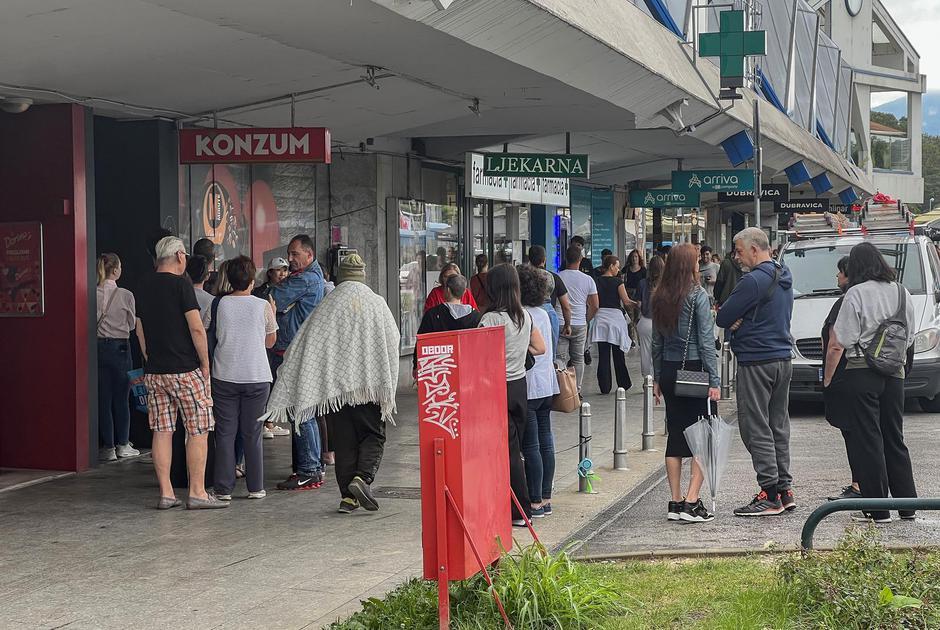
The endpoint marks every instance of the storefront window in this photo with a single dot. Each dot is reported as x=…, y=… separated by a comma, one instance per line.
x=247, y=209
x=412, y=283
x=510, y=232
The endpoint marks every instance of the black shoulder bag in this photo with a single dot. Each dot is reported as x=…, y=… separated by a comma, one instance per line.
x=690, y=383
x=211, y=340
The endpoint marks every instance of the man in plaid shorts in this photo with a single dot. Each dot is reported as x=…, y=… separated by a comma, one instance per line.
x=176, y=366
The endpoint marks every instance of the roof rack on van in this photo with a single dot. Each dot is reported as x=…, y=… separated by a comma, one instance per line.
x=828, y=232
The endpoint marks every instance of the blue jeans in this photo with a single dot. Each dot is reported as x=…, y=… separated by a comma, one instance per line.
x=305, y=448
x=556, y=325
x=114, y=414
x=538, y=448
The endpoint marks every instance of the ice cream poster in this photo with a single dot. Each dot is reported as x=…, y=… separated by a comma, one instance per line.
x=21, y=290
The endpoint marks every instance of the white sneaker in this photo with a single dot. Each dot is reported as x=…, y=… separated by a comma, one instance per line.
x=126, y=450
x=106, y=455
x=280, y=431
x=260, y=494
x=267, y=434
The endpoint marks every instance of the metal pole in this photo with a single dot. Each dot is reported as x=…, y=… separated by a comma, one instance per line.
x=648, y=413
x=726, y=370
x=620, y=429
x=584, y=443
x=758, y=162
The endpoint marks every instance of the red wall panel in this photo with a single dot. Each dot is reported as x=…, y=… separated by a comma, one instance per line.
x=44, y=374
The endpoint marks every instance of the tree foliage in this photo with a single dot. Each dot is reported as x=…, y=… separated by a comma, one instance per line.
x=931, y=165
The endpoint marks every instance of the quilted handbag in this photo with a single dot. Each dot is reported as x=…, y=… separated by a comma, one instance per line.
x=691, y=383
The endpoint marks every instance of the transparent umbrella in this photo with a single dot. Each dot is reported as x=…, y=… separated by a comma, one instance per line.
x=710, y=442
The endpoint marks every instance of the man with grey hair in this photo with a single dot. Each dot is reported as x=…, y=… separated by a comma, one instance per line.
x=176, y=372
x=757, y=317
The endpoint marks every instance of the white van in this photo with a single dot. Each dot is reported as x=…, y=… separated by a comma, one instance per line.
x=813, y=265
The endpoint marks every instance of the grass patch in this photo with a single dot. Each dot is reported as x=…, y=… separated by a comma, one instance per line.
x=720, y=593
x=859, y=586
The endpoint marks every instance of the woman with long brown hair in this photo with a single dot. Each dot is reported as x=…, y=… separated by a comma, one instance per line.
x=683, y=338
x=521, y=336
x=644, y=327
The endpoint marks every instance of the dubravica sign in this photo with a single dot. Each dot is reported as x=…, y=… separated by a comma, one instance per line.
x=290, y=144
x=802, y=205
x=768, y=192
x=535, y=165
x=739, y=180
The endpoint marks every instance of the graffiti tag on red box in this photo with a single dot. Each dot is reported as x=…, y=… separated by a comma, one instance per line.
x=21, y=292
x=436, y=365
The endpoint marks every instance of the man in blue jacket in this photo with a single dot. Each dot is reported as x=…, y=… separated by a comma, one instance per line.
x=758, y=315
x=294, y=300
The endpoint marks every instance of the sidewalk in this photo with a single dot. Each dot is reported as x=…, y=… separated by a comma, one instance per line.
x=89, y=550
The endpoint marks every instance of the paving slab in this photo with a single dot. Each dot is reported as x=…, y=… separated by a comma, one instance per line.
x=90, y=550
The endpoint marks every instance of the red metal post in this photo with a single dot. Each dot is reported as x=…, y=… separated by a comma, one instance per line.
x=440, y=511
x=528, y=523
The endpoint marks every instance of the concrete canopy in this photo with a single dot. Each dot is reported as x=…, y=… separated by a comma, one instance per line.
x=535, y=67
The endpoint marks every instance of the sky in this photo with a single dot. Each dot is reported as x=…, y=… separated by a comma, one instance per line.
x=920, y=21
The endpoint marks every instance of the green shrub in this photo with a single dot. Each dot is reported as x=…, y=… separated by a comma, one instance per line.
x=538, y=591
x=862, y=585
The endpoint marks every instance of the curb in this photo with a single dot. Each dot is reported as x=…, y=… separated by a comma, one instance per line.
x=728, y=552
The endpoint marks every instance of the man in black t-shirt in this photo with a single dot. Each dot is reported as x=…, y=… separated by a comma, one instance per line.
x=559, y=295
x=176, y=372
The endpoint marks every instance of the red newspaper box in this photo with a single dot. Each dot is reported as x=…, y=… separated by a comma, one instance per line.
x=464, y=447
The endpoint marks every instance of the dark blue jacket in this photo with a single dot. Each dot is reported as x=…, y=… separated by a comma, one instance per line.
x=764, y=334
x=294, y=299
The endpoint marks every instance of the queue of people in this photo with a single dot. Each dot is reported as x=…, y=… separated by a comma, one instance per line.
x=212, y=361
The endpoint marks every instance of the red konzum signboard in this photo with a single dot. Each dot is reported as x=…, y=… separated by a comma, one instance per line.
x=228, y=146
x=21, y=292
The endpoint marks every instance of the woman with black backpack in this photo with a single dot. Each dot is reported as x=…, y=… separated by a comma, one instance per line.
x=865, y=369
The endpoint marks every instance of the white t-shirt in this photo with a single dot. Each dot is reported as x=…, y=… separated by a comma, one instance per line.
x=580, y=286
x=240, y=356
x=204, y=299
x=541, y=380
x=517, y=341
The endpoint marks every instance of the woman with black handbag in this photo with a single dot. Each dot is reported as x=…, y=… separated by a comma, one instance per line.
x=685, y=371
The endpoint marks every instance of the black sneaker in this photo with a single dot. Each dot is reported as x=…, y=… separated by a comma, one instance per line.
x=361, y=490
x=587, y=357
x=848, y=492
x=695, y=513
x=760, y=505
x=347, y=506
x=674, y=509
x=907, y=515
x=302, y=482
x=787, y=499
x=870, y=517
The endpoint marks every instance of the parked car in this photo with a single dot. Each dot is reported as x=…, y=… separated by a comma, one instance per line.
x=813, y=265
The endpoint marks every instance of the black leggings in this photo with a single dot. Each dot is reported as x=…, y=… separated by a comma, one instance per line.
x=517, y=398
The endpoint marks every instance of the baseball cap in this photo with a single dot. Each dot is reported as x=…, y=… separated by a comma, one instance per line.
x=278, y=263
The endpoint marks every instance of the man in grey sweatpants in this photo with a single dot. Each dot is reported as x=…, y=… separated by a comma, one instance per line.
x=758, y=315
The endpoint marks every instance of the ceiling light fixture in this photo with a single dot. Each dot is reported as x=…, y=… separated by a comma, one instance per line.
x=475, y=107
x=15, y=104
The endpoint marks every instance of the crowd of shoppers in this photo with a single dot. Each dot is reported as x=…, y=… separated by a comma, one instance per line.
x=210, y=360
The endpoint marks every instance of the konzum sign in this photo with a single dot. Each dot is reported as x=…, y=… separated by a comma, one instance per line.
x=227, y=146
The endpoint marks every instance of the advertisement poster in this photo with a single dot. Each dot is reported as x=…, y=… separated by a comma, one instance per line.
x=21, y=293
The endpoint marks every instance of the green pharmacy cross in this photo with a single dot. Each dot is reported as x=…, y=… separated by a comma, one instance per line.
x=732, y=44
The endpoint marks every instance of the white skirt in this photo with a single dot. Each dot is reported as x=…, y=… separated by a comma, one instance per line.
x=610, y=326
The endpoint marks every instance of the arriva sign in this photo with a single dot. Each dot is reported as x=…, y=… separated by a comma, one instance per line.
x=713, y=181
x=535, y=165
x=291, y=144
x=662, y=198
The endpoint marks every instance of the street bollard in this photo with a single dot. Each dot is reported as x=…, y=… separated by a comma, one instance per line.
x=584, y=444
x=648, y=413
x=620, y=429
x=726, y=370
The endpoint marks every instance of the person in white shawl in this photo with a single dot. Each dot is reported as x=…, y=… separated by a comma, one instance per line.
x=343, y=365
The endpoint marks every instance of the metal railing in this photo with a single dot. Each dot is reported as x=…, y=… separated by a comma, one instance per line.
x=866, y=505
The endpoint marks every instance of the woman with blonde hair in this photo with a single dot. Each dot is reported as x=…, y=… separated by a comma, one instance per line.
x=116, y=319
